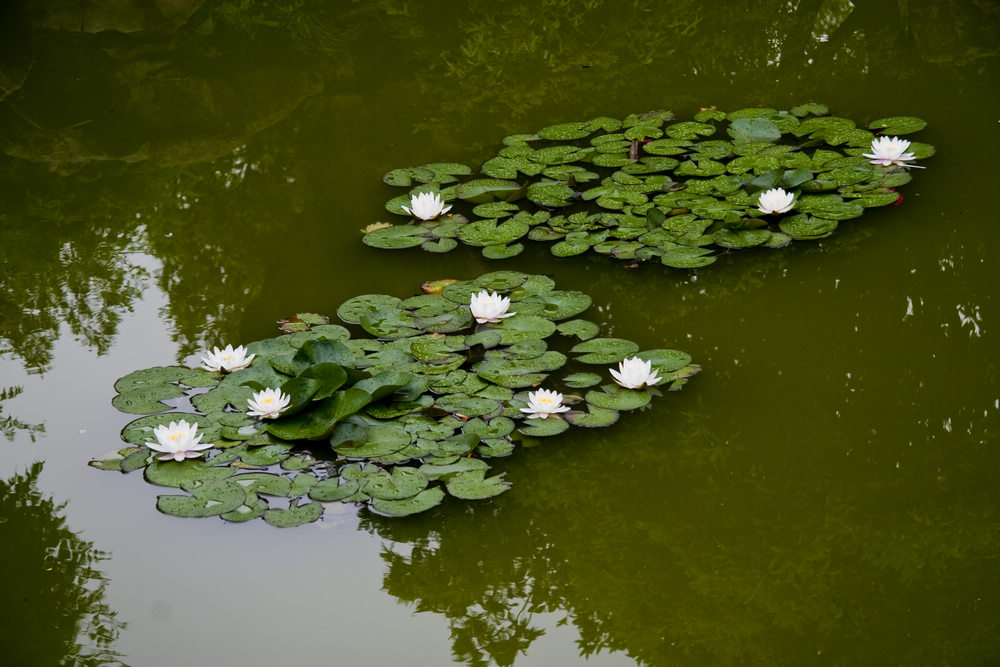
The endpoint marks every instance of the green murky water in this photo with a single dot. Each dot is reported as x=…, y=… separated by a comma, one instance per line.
x=186, y=174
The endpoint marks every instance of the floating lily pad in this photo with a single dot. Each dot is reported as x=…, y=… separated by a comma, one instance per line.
x=474, y=485
x=898, y=125
x=212, y=499
x=295, y=515
x=582, y=329
x=252, y=507
x=604, y=350
x=421, y=502
x=401, y=483
x=581, y=380
x=613, y=397
x=524, y=327
x=146, y=399
x=594, y=417
x=544, y=427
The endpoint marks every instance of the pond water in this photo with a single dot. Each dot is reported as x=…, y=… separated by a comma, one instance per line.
x=176, y=175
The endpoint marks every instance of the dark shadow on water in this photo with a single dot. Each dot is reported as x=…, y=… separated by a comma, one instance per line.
x=53, y=592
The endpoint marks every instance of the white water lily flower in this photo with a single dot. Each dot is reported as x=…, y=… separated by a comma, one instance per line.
x=775, y=201
x=268, y=404
x=543, y=403
x=488, y=307
x=426, y=206
x=886, y=152
x=227, y=360
x=178, y=441
x=634, y=373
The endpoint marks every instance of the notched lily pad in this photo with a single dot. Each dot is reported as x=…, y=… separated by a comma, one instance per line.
x=474, y=485
x=421, y=502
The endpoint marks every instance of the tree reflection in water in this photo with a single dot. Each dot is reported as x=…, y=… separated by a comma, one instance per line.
x=711, y=565
x=52, y=593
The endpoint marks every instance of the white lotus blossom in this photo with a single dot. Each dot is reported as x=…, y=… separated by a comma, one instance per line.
x=426, y=206
x=887, y=152
x=227, y=360
x=268, y=404
x=543, y=403
x=634, y=373
x=178, y=441
x=488, y=307
x=775, y=201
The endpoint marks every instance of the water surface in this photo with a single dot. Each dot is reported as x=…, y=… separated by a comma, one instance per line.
x=824, y=492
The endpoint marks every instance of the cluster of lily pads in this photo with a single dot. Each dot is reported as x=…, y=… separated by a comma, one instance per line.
x=647, y=187
x=395, y=417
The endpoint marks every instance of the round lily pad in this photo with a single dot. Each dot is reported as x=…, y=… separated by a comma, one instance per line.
x=613, y=397
x=352, y=309
x=898, y=125
x=212, y=499
x=474, y=485
x=295, y=515
x=396, y=237
x=604, y=350
x=421, y=502
x=544, y=427
x=524, y=327
x=401, y=483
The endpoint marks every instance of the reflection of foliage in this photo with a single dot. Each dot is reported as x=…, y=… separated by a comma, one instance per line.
x=52, y=595
x=11, y=425
x=489, y=623
x=716, y=566
x=75, y=272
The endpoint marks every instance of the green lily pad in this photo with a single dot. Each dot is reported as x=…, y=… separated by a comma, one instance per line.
x=421, y=502
x=496, y=209
x=263, y=483
x=595, y=417
x=251, y=508
x=524, y=327
x=266, y=455
x=665, y=361
x=474, y=485
x=396, y=237
x=379, y=440
x=565, y=131
x=163, y=375
x=898, y=125
x=146, y=399
x=400, y=484
x=559, y=304
x=806, y=109
x=295, y=515
x=745, y=238
x=613, y=397
x=501, y=251
x=490, y=232
x=212, y=499
x=352, y=309
x=540, y=428
x=581, y=380
x=604, y=350
x=804, y=226
x=469, y=406
x=334, y=489
x=462, y=465
x=749, y=130
x=687, y=258
x=405, y=177
x=582, y=329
